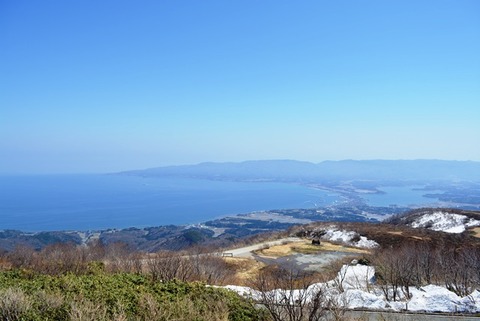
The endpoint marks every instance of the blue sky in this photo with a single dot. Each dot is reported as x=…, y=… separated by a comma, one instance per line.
x=100, y=86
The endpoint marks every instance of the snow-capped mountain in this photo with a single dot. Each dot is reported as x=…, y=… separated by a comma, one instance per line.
x=445, y=222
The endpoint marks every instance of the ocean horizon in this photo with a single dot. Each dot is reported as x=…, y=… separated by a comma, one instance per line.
x=105, y=201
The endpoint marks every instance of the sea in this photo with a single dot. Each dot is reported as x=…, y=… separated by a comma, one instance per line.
x=407, y=196
x=94, y=202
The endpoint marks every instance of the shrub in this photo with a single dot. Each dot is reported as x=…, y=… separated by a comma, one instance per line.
x=14, y=304
x=120, y=296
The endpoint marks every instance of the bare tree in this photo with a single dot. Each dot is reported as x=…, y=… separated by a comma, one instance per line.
x=22, y=256
x=397, y=269
x=117, y=256
x=424, y=262
x=291, y=295
x=96, y=250
x=133, y=262
x=164, y=266
x=387, y=272
x=472, y=259
x=61, y=258
x=460, y=269
x=209, y=268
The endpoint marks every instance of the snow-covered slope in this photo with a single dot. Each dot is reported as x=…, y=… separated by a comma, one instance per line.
x=348, y=237
x=444, y=221
x=359, y=291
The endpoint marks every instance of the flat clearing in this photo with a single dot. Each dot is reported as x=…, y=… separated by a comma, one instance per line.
x=306, y=247
x=247, y=251
x=279, y=250
x=291, y=253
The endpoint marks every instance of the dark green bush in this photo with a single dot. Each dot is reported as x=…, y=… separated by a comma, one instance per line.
x=97, y=295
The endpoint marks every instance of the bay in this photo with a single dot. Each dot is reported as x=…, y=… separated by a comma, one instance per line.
x=92, y=202
x=408, y=196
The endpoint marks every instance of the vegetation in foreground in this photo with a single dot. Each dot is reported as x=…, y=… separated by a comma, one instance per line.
x=97, y=295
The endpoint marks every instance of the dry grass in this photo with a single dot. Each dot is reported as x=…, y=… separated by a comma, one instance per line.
x=306, y=247
x=14, y=304
x=476, y=232
x=419, y=238
x=412, y=236
x=395, y=232
x=280, y=250
x=245, y=269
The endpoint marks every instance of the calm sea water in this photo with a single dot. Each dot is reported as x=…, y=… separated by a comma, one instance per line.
x=84, y=202
x=410, y=196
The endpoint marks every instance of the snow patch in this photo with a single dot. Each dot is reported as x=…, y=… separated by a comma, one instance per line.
x=430, y=298
x=347, y=237
x=243, y=291
x=354, y=277
x=357, y=290
x=339, y=236
x=358, y=299
x=445, y=222
x=366, y=243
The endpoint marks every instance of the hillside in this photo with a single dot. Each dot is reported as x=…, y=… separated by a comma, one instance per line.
x=296, y=171
x=382, y=267
x=388, y=235
x=227, y=231
x=379, y=266
x=439, y=219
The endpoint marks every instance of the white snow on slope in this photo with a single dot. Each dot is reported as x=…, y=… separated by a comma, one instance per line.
x=366, y=243
x=360, y=292
x=243, y=291
x=355, y=277
x=446, y=222
x=347, y=237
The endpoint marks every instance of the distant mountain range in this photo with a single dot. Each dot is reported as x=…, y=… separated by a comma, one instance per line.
x=298, y=171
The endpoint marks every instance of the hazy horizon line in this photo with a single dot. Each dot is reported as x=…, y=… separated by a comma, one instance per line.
x=21, y=173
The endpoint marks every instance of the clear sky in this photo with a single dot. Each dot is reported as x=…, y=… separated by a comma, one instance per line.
x=100, y=86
